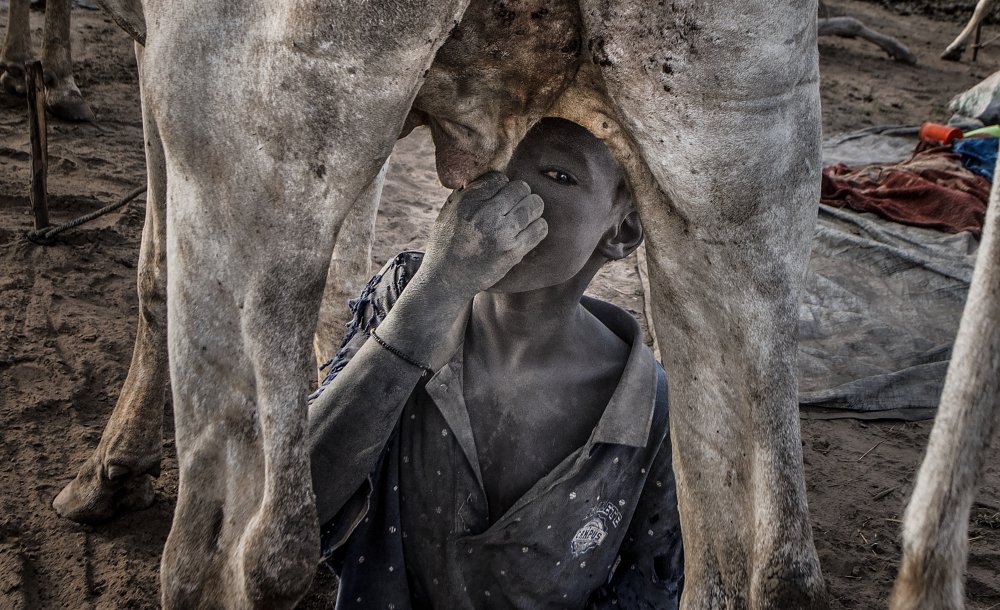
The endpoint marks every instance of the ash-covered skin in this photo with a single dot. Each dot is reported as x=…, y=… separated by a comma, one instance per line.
x=497, y=73
x=585, y=197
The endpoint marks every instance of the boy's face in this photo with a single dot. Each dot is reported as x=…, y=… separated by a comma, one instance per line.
x=577, y=178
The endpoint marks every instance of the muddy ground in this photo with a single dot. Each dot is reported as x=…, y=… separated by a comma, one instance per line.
x=67, y=318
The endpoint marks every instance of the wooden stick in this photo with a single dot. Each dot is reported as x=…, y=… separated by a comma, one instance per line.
x=870, y=450
x=884, y=493
x=35, y=86
x=975, y=44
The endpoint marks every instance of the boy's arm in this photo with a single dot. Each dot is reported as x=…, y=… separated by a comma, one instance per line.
x=368, y=310
x=482, y=231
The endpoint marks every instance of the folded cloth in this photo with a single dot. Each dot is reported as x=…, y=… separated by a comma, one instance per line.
x=931, y=189
x=978, y=155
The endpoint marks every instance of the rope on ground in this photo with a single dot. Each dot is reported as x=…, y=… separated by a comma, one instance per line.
x=45, y=236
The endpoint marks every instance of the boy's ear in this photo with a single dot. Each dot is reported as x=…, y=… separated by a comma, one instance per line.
x=623, y=239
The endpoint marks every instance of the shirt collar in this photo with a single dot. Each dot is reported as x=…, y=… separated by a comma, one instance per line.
x=627, y=418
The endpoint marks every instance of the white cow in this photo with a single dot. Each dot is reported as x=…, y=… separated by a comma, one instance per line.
x=62, y=96
x=266, y=122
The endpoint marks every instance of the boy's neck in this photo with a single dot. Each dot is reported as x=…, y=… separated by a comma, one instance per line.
x=528, y=326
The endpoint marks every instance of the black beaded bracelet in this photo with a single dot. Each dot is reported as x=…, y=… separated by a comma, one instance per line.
x=426, y=370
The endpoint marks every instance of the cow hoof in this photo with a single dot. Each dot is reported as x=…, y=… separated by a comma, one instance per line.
x=953, y=54
x=276, y=572
x=904, y=56
x=68, y=105
x=12, y=79
x=94, y=497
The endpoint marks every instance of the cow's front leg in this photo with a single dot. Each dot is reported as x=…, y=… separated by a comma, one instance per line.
x=16, y=47
x=62, y=96
x=274, y=120
x=118, y=475
x=719, y=102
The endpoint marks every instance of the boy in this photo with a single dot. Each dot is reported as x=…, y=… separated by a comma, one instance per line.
x=513, y=432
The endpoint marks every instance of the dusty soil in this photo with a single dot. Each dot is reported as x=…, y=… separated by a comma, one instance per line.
x=67, y=318
x=958, y=11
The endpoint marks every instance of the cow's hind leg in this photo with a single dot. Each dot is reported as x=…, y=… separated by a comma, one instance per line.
x=62, y=96
x=936, y=524
x=350, y=269
x=118, y=474
x=720, y=107
x=273, y=121
x=16, y=47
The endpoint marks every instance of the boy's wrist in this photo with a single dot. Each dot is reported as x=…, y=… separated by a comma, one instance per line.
x=425, y=322
x=443, y=288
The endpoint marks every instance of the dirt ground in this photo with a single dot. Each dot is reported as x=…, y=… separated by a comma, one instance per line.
x=67, y=318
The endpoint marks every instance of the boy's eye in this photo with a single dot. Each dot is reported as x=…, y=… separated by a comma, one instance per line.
x=559, y=176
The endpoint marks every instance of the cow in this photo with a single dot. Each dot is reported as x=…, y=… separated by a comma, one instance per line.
x=268, y=125
x=62, y=96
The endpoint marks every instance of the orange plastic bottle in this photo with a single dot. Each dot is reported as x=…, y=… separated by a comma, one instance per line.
x=935, y=133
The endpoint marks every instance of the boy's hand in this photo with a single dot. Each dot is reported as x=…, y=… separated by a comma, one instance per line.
x=483, y=230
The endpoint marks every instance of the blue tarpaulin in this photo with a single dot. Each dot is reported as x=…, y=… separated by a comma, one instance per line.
x=978, y=155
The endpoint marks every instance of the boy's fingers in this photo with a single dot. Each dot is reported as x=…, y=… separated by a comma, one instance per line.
x=533, y=234
x=487, y=186
x=527, y=210
x=512, y=194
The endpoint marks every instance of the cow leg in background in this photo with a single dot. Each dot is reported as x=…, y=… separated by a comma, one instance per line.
x=849, y=27
x=721, y=102
x=62, y=97
x=118, y=476
x=957, y=47
x=16, y=47
x=936, y=524
x=271, y=129
x=350, y=269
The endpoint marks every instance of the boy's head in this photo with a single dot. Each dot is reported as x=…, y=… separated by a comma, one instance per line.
x=590, y=212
